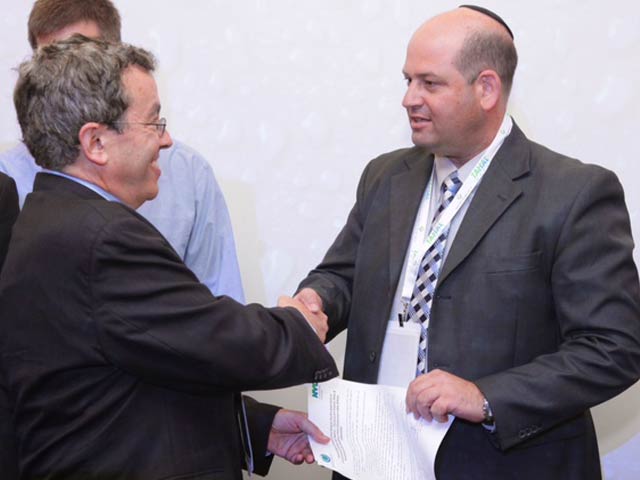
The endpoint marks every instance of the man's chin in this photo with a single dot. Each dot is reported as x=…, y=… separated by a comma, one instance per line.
x=153, y=193
x=420, y=140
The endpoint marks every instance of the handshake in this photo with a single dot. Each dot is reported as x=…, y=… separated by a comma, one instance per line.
x=309, y=304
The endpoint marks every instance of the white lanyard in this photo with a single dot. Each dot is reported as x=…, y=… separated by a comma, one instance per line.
x=421, y=243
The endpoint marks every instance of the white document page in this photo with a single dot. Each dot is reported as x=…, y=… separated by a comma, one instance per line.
x=372, y=438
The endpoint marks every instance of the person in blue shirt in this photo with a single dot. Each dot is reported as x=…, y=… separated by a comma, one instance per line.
x=190, y=210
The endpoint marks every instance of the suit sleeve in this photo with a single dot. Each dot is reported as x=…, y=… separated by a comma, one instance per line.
x=155, y=320
x=595, y=290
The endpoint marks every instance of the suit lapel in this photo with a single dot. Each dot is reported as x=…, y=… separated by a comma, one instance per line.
x=496, y=192
x=406, y=190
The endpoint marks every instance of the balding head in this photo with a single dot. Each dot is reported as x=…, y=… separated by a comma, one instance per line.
x=459, y=69
x=478, y=42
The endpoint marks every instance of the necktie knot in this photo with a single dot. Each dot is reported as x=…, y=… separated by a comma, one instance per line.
x=450, y=187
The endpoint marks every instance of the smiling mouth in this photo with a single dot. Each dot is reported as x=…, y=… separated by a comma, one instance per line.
x=156, y=167
x=418, y=122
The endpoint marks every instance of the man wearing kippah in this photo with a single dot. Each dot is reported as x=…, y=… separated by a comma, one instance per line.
x=507, y=267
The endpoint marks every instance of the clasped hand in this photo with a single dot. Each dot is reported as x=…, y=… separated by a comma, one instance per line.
x=435, y=395
x=309, y=304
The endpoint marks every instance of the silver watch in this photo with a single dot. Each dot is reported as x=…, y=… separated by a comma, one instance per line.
x=487, y=412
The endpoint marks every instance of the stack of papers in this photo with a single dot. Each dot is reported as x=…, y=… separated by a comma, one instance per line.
x=371, y=435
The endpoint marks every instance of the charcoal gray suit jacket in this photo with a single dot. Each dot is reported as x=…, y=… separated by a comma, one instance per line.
x=538, y=302
x=8, y=213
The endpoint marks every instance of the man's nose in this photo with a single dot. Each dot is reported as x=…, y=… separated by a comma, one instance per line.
x=411, y=97
x=165, y=140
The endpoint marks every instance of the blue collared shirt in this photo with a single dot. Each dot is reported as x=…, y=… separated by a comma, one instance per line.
x=190, y=211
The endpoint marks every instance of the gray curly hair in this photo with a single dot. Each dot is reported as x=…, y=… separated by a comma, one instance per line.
x=68, y=84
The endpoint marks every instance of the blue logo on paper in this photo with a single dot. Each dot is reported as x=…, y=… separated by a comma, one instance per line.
x=325, y=458
x=314, y=390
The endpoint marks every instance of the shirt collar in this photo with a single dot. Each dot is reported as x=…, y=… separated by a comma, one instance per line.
x=444, y=167
x=91, y=186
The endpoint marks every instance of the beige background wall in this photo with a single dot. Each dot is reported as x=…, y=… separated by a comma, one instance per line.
x=288, y=100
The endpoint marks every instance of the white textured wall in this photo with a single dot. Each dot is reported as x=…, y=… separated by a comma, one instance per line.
x=289, y=99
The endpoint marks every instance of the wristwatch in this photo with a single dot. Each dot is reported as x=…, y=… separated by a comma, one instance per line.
x=488, y=413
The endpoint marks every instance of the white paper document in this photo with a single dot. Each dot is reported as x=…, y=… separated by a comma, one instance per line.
x=371, y=435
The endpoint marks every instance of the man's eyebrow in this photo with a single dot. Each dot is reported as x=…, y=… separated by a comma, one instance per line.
x=154, y=111
x=420, y=75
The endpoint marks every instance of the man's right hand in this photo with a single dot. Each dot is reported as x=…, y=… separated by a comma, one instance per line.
x=315, y=317
x=310, y=298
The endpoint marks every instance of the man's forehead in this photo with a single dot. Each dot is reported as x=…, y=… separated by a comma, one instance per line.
x=136, y=77
x=425, y=48
x=142, y=90
x=88, y=28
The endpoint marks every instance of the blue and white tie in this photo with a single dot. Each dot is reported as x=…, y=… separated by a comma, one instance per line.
x=423, y=291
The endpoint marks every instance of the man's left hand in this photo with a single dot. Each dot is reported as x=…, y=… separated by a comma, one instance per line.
x=437, y=394
x=288, y=436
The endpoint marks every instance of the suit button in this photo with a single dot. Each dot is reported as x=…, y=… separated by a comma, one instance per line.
x=372, y=356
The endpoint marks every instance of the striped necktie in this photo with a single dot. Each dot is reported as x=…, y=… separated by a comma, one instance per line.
x=426, y=281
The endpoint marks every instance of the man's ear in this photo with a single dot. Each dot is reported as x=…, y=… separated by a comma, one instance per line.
x=91, y=137
x=489, y=89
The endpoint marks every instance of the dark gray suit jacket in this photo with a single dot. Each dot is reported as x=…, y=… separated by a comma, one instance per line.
x=8, y=213
x=538, y=302
x=118, y=362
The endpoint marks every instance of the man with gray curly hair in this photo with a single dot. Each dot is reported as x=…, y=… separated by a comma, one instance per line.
x=86, y=102
x=85, y=86
x=190, y=209
x=117, y=361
